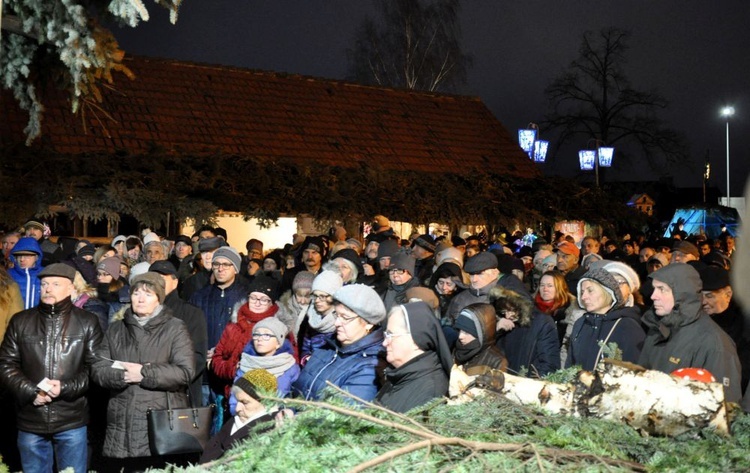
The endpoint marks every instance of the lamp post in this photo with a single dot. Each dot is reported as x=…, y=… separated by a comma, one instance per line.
x=528, y=139
x=595, y=158
x=727, y=112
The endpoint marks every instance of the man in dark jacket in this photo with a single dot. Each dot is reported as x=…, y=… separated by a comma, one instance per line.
x=423, y=249
x=49, y=378
x=195, y=321
x=217, y=301
x=681, y=334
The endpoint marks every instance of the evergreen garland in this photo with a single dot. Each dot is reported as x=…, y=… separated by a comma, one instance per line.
x=147, y=187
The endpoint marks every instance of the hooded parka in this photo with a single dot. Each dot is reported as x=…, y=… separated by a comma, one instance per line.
x=687, y=337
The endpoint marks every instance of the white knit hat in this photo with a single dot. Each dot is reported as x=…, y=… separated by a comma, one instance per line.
x=328, y=282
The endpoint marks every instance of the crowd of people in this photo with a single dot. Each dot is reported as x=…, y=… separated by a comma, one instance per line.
x=95, y=336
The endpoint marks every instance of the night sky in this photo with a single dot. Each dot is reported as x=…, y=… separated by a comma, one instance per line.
x=696, y=53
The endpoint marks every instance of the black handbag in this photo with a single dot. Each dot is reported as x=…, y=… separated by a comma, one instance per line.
x=178, y=431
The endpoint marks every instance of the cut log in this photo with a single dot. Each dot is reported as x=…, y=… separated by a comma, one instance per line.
x=650, y=401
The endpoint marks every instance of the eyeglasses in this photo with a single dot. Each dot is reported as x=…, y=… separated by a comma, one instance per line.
x=327, y=297
x=221, y=265
x=102, y=274
x=390, y=335
x=344, y=320
x=263, y=336
x=397, y=272
x=259, y=300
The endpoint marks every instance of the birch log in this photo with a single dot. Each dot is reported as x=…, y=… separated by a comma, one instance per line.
x=652, y=402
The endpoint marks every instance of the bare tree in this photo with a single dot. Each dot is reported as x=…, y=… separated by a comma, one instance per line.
x=593, y=99
x=415, y=45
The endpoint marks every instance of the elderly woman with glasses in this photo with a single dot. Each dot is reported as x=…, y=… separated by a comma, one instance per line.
x=419, y=357
x=353, y=355
x=260, y=304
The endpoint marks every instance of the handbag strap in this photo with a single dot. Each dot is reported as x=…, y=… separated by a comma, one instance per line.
x=601, y=348
x=192, y=408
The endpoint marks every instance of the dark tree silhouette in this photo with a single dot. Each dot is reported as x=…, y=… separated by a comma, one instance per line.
x=593, y=99
x=414, y=44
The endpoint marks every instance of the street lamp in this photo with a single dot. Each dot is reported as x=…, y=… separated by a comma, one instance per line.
x=727, y=112
x=529, y=142
x=595, y=158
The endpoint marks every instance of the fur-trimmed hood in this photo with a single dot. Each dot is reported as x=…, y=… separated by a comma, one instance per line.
x=523, y=305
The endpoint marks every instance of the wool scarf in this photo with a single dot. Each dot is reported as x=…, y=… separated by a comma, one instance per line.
x=275, y=364
x=322, y=324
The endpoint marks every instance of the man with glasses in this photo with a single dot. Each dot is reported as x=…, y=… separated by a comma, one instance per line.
x=217, y=300
x=401, y=274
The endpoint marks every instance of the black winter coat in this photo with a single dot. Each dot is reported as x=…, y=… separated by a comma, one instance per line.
x=535, y=348
x=58, y=342
x=164, y=348
x=413, y=384
x=195, y=322
x=590, y=329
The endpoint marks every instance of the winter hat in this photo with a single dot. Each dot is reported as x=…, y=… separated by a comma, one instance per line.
x=381, y=221
x=118, y=239
x=718, y=259
x=540, y=256
x=469, y=323
x=351, y=256
x=137, y=270
x=257, y=380
x=387, y=248
x=183, y=239
x=423, y=294
x=403, y=260
x=210, y=244
x=61, y=270
x=152, y=279
x=276, y=326
x=303, y=280
x=451, y=254
x=231, y=254
x=660, y=257
x=569, y=248
x=149, y=237
x=590, y=259
x=551, y=259
x=363, y=301
x=254, y=244
x=687, y=248
x=425, y=241
x=714, y=278
x=110, y=266
x=354, y=244
x=163, y=267
x=33, y=224
x=328, y=282
x=480, y=262
x=87, y=250
x=608, y=283
x=507, y=263
x=264, y=285
x=315, y=244
x=625, y=271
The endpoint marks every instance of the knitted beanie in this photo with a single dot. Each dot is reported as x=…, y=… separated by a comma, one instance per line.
x=137, y=270
x=276, y=326
x=363, y=301
x=264, y=285
x=608, y=283
x=622, y=269
x=303, y=280
x=327, y=282
x=110, y=266
x=257, y=380
x=403, y=260
x=230, y=254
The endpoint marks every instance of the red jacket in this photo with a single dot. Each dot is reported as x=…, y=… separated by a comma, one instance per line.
x=236, y=335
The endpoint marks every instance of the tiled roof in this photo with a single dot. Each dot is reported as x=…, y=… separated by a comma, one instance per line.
x=188, y=108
